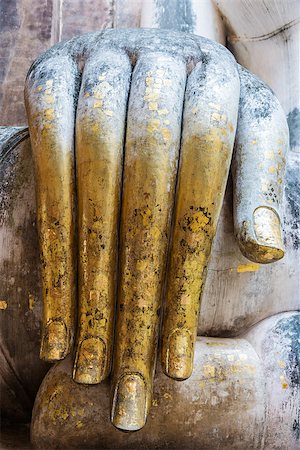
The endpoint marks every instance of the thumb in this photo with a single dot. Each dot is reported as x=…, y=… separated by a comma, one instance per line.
x=258, y=171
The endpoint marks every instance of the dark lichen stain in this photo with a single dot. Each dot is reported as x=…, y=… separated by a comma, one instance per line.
x=293, y=120
x=287, y=329
x=292, y=194
x=256, y=99
x=296, y=428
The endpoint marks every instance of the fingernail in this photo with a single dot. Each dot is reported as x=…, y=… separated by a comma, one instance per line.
x=90, y=361
x=55, y=344
x=129, y=407
x=179, y=355
x=267, y=229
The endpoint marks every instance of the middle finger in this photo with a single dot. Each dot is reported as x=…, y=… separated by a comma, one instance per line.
x=151, y=155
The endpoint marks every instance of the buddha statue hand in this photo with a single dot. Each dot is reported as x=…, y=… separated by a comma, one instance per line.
x=132, y=134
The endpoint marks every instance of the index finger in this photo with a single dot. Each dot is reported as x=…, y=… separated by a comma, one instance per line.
x=209, y=122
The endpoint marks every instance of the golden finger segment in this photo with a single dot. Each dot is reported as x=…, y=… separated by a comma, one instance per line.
x=209, y=123
x=151, y=155
x=101, y=118
x=50, y=108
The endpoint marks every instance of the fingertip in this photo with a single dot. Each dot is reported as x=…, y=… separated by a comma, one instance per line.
x=177, y=361
x=267, y=228
x=90, y=362
x=129, y=408
x=265, y=245
x=55, y=343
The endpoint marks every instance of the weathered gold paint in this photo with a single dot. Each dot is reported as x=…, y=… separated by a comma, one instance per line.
x=248, y=268
x=31, y=302
x=51, y=133
x=284, y=383
x=99, y=157
x=3, y=304
x=269, y=244
x=259, y=234
x=281, y=364
x=268, y=230
x=204, y=166
x=149, y=183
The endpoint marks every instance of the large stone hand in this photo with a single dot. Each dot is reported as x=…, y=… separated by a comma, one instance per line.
x=170, y=94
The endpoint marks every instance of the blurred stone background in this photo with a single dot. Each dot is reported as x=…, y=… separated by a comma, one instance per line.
x=28, y=27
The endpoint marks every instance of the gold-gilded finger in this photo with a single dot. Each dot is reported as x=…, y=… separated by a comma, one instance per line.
x=100, y=124
x=152, y=145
